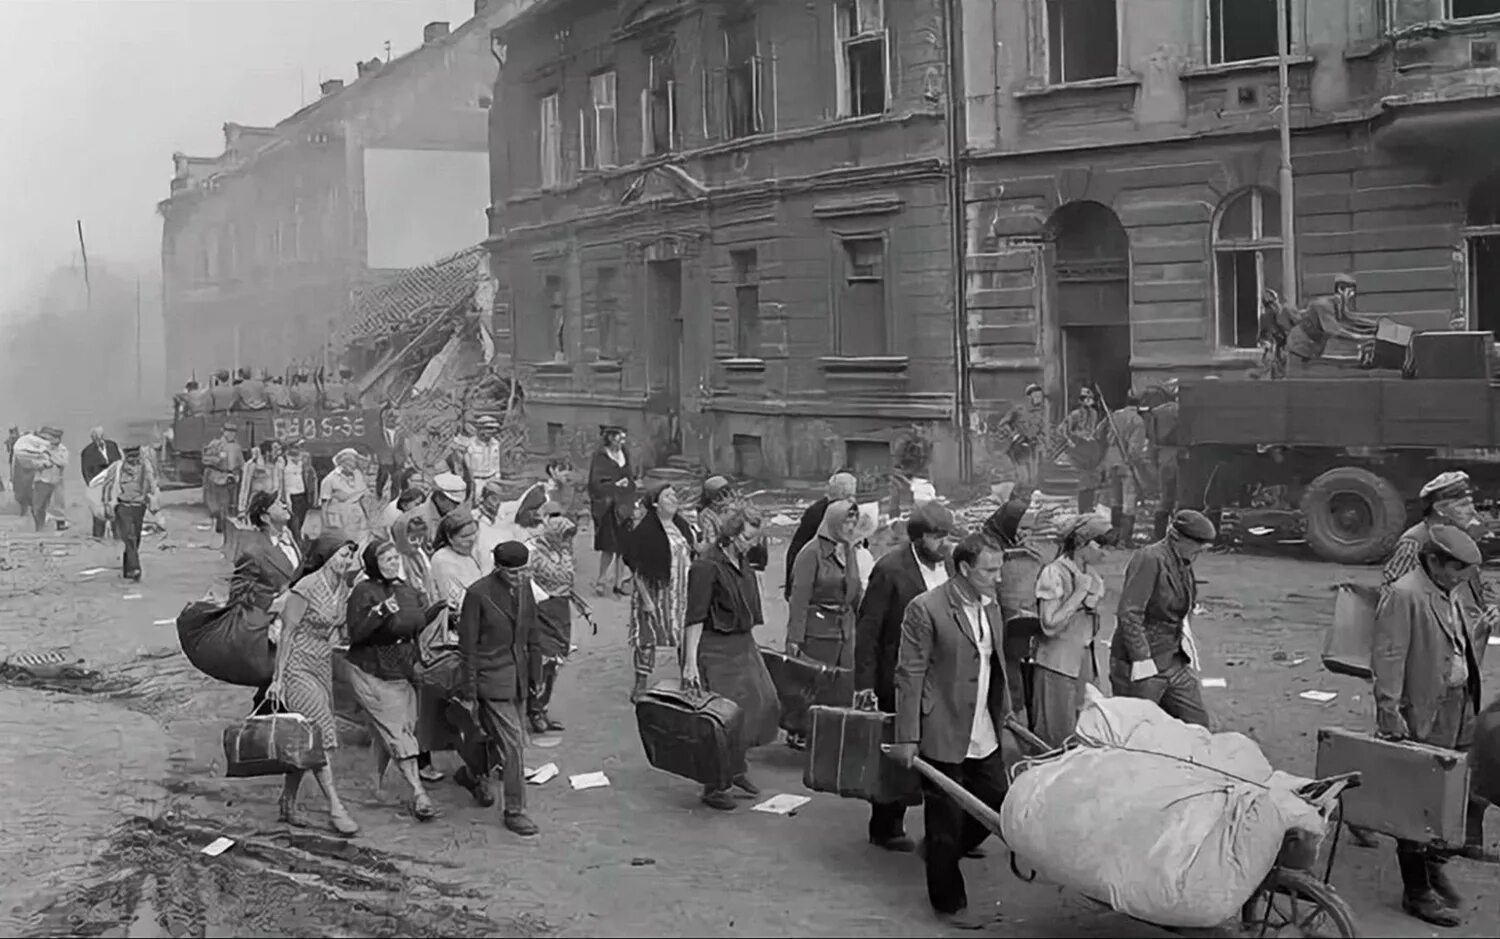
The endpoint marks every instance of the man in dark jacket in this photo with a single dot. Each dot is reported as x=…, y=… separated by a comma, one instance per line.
x=494, y=626
x=841, y=485
x=902, y=574
x=96, y=457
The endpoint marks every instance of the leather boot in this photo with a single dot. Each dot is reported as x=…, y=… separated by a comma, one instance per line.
x=1418, y=896
x=1127, y=531
x=1114, y=524
x=1159, y=523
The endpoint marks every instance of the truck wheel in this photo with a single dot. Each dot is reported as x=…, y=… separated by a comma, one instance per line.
x=1353, y=516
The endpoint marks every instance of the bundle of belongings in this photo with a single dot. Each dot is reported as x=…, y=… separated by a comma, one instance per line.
x=1161, y=820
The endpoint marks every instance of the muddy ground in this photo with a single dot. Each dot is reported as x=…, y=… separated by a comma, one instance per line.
x=113, y=782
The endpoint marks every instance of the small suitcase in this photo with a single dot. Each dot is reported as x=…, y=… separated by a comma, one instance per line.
x=1392, y=340
x=1407, y=790
x=844, y=757
x=1451, y=355
x=1484, y=756
x=271, y=745
x=692, y=734
x=1350, y=637
x=801, y=683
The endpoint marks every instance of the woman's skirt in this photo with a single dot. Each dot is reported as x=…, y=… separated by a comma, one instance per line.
x=730, y=664
x=1056, y=700
x=607, y=529
x=391, y=706
x=830, y=638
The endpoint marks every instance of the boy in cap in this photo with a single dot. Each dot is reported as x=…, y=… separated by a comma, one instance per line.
x=223, y=462
x=1430, y=639
x=129, y=494
x=1153, y=654
x=494, y=628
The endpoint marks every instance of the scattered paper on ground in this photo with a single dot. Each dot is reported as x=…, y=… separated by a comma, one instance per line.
x=783, y=804
x=1322, y=697
x=543, y=774
x=1495, y=640
x=163, y=622
x=589, y=781
x=92, y=571
x=218, y=846
x=204, y=527
x=1260, y=530
x=131, y=596
x=1215, y=683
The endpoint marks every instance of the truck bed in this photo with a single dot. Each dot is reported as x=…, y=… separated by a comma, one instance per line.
x=323, y=432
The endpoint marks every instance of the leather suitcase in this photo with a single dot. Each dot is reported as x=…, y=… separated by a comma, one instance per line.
x=1350, y=637
x=1407, y=790
x=844, y=757
x=272, y=745
x=695, y=735
x=801, y=683
x=1392, y=341
x=1484, y=756
x=1446, y=354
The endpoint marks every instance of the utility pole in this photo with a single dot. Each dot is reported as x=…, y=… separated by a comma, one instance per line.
x=139, y=368
x=1290, y=282
x=83, y=252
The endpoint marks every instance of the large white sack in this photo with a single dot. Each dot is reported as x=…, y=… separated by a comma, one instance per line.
x=1167, y=842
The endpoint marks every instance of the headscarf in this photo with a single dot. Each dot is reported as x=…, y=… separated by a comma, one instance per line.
x=452, y=523
x=556, y=529
x=1081, y=531
x=346, y=455
x=324, y=547
x=833, y=519
x=413, y=555
x=371, y=558
x=1004, y=526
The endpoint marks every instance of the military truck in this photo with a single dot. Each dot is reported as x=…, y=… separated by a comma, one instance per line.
x=1349, y=454
x=322, y=432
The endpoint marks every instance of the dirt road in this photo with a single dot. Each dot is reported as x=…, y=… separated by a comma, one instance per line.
x=121, y=783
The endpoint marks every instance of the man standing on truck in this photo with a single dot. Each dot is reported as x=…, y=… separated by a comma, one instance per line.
x=250, y=392
x=304, y=395
x=1276, y=322
x=1326, y=318
x=221, y=396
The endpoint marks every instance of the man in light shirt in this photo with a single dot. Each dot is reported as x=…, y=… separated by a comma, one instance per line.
x=952, y=704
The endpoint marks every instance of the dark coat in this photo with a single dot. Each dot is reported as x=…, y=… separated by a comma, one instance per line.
x=895, y=581
x=1158, y=593
x=807, y=530
x=261, y=571
x=494, y=625
x=97, y=458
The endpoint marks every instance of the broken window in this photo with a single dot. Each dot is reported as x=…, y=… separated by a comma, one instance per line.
x=1467, y=9
x=1083, y=40
x=1243, y=30
x=558, y=317
x=1247, y=260
x=596, y=123
x=742, y=78
x=746, y=304
x=606, y=313
x=861, y=73
x=659, y=106
x=861, y=309
x=551, y=142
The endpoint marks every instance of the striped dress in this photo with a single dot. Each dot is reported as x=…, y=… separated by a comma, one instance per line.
x=306, y=654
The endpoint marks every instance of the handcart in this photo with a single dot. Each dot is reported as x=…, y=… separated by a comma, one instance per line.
x=1293, y=900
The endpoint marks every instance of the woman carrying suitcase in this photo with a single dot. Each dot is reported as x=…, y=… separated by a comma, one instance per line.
x=720, y=654
x=826, y=590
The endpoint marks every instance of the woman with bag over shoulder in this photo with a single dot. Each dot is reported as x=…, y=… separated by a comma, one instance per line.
x=826, y=591
x=659, y=548
x=1069, y=591
x=312, y=618
x=385, y=617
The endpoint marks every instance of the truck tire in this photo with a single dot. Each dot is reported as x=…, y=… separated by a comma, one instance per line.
x=1353, y=516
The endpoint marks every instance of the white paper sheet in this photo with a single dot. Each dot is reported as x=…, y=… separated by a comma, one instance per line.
x=218, y=846
x=782, y=804
x=542, y=774
x=1214, y=683
x=588, y=781
x=163, y=622
x=131, y=596
x=92, y=571
x=1321, y=697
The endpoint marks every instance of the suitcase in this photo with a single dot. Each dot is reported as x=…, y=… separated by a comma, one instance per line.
x=1392, y=340
x=692, y=734
x=1448, y=354
x=1350, y=637
x=844, y=757
x=1484, y=756
x=1407, y=790
x=801, y=683
x=272, y=745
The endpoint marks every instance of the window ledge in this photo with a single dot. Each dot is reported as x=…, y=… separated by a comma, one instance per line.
x=864, y=364
x=1110, y=81
x=553, y=367
x=1246, y=65
x=743, y=364
x=606, y=366
x=1236, y=354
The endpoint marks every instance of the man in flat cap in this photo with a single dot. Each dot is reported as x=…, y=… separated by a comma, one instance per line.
x=900, y=575
x=1026, y=426
x=129, y=494
x=1326, y=318
x=1447, y=499
x=494, y=629
x=1430, y=638
x=1153, y=654
x=477, y=458
x=223, y=462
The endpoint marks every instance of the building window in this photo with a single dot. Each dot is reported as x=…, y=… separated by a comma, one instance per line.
x=1467, y=9
x=860, y=70
x=1083, y=40
x=1247, y=260
x=742, y=79
x=659, y=106
x=1244, y=30
x=746, y=304
x=551, y=136
x=860, y=304
x=557, y=310
x=606, y=313
x=596, y=123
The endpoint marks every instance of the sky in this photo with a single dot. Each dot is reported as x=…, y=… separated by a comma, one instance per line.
x=100, y=93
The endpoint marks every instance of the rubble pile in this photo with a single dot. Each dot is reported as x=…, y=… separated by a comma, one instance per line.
x=434, y=417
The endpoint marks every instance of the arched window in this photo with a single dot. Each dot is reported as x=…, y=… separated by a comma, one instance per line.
x=1247, y=260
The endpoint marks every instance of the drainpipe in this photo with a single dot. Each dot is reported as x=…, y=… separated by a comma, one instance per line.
x=1289, y=280
x=955, y=106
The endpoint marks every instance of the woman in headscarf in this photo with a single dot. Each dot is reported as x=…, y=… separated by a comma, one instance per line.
x=453, y=567
x=413, y=541
x=720, y=652
x=552, y=570
x=313, y=619
x=659, y=549
x=496, y=527
x=612, y=497
x=385, y=616
x=826, y=591
x=342, y=495
x=1017, y=591
x=1069, y=592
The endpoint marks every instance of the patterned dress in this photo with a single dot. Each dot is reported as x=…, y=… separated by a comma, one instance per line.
x=661, y=625
x=306, y=654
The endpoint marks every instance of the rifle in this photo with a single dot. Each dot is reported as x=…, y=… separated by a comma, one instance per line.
x=1114, y=434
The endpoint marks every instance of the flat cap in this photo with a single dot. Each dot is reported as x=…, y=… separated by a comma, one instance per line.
x=929, y=518
x=231, y=425
x=1453, y=484
x=450, y=484
x=714, y=485
x=511, y=555
x=1033, y=387
x=1449, y=541
x=1343, y=280
x=1194, y=525
x=131, y=448
x=486, y=420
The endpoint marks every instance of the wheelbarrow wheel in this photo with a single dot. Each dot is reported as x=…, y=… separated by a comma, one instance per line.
x=1295, y=903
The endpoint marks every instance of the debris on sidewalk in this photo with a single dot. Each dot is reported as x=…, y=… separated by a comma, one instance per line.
x=588, y=781
x=218, y=846
x=782, y=804
x=543, y=774
x=1214, y=683
x=1318, y=697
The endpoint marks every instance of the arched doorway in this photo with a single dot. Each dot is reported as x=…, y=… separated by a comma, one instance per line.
x=1091, y=270
x=1482, y=253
